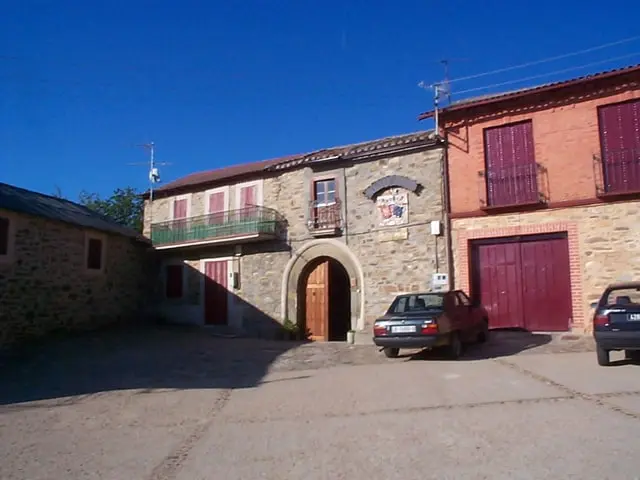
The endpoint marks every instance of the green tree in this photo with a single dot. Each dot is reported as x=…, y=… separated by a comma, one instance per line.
x=125, y=206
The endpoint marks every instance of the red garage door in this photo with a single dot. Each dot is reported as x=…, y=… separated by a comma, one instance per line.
x=524, y=282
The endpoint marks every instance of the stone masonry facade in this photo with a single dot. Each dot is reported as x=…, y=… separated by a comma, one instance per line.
x=604, y=247
x=388, y=260
x=45, y=286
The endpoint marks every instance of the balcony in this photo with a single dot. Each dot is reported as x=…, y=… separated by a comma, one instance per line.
x=512, y=187
x=325, y=219
x=244, y=225
x=617, y=173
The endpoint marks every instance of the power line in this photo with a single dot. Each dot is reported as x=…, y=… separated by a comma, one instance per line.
x=533, y=77
x=545, y=60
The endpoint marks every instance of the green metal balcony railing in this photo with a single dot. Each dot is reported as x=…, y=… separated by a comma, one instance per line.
x=232, y=223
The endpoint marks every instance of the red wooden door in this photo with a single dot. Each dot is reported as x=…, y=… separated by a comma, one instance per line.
x=215, y=293
x=546, y=285
x=216, y=208
x=525, y=283
x=499, y=281
x=620, y=139
x=317, y=302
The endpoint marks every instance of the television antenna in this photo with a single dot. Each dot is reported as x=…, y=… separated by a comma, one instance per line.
x=154, y=173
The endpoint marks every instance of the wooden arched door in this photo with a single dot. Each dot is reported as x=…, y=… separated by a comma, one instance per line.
x=317, y=302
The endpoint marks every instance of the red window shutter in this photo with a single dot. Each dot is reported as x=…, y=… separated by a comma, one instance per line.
x=620, y=139
x=511, y=171
x=180, y=208
x=4, y=236
x=216, y=202
x=94, y=254
x=247, y=196
x=174, y=281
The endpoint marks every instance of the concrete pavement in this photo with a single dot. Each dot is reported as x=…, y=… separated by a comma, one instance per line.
x=186, y=407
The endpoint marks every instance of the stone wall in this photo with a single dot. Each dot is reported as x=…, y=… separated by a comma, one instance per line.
x=391, y=259
x=45, y=286
x=606, y=247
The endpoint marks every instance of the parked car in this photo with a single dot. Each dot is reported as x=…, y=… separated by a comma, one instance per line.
x=431, y=320
x=616, y=321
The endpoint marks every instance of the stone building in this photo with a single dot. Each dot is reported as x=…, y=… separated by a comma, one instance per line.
x=325, y=239
x=544, y=197
x=63, y=267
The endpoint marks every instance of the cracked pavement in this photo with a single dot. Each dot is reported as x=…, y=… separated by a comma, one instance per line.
x=177, y=404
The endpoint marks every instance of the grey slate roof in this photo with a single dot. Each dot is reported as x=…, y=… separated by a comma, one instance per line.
x=25, y=201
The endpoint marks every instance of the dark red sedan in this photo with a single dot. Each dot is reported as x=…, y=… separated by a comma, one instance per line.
x=431, y=320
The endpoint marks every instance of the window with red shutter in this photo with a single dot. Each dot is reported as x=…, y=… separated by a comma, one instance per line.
x=216, y=208
x=174, y=281
x=4, y=236
x=248, y=201
x=94, y=254
x=620, y=140
x=511, y=170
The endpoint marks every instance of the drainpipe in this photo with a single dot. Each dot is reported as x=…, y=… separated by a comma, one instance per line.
x=447, y=205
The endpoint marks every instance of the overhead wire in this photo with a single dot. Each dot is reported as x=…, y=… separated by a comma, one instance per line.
x=545, y=60
x=541, y=75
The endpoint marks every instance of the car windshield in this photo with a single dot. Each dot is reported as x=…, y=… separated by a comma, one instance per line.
x=416, y=303
x=621, y=297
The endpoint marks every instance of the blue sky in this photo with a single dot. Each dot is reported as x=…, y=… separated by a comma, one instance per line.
x=223, y=82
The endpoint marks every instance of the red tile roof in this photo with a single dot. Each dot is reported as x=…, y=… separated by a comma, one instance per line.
x=504, y=96
x=373, y=147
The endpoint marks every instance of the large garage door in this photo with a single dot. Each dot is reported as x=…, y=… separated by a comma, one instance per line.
x=524, y=282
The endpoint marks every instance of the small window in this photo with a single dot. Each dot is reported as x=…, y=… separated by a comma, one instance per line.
x=4, y=236
x=94, y=254
x=174, y=281
x=325, y=192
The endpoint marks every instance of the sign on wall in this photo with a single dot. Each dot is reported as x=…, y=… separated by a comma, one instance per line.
x=393, y=208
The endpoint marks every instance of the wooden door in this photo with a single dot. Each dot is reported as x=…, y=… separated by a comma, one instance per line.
x=317, y=302
x=546, y=285
x=215, y=293
x=498, y=280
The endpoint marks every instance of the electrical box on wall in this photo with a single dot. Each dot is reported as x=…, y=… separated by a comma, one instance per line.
x=439, y=282
x=435, y=227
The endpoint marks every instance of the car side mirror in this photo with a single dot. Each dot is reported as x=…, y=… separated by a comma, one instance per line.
x=593, y=304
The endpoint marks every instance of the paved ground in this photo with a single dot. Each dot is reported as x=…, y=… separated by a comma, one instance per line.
x=180, y=404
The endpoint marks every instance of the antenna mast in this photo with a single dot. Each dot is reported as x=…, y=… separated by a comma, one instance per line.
x=154, y=174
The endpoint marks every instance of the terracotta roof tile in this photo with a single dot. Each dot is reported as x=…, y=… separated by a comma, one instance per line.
x=497, y=97
x=292, y=161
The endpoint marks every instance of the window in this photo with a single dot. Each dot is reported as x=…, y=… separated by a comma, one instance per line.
x=511, y=170
x=325, y=192
x=620, y=140
x=174, y=281
x=4, y=236
x=94, y=254
x=416, y=303
x=463, y=299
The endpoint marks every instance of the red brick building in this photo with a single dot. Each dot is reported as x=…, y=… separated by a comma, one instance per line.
x=544, y=197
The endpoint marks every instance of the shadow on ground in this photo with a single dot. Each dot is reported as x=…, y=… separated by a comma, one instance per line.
x=502, y=343
x=145, y=357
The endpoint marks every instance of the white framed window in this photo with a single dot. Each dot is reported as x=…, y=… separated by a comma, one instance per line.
x=249, y=194
x=217, y=205
x=181, y=207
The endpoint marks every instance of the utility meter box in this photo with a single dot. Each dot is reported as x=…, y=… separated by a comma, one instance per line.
x=440, y=282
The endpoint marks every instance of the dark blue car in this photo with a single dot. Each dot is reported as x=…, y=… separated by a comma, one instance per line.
x=616, y=321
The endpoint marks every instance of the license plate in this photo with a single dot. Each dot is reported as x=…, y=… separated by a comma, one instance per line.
x=403, y=329
x=633, y=317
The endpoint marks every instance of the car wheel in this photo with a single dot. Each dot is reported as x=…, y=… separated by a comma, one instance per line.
x=455, y=346
x=603, y=356
x=391, y=352
x=483, y=336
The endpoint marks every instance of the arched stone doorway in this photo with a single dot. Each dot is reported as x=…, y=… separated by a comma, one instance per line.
x=299, y=267
x=324, y=300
